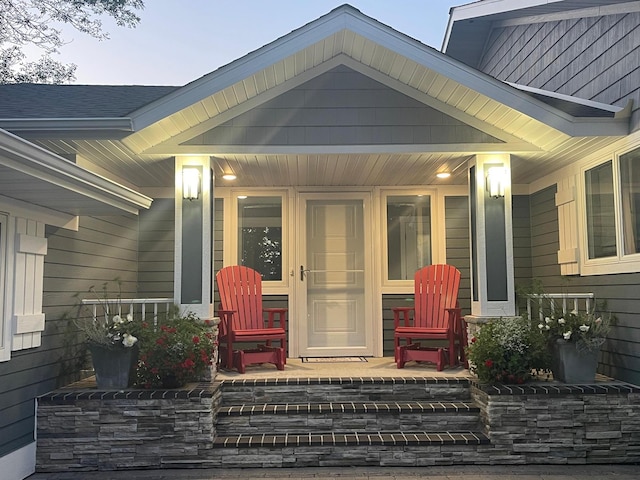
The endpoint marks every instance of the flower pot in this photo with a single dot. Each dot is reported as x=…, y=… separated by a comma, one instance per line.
x=114, y=366
x=573, y=365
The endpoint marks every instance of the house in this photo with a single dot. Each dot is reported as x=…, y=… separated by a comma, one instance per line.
x=336, y=134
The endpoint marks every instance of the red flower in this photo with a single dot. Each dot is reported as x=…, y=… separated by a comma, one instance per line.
x=188, y=363
x=473, y=340
x=196, y=339
x=488, y=363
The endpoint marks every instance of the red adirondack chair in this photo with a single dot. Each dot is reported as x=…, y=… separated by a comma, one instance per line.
x=242, y=320
x=436, y=316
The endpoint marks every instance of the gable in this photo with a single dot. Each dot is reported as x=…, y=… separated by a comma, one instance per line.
x=342, y=107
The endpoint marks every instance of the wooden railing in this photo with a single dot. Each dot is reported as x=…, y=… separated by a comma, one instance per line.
x=544, y=304
x=146, y=309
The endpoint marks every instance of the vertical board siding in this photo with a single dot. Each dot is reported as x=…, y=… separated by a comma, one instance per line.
x=595, y=58
x=156, y=249
x=620, y=355
x=103, y=249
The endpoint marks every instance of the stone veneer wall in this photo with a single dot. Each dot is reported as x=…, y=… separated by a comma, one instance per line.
x=560, y=424
x=132, y=429
x=538, y=423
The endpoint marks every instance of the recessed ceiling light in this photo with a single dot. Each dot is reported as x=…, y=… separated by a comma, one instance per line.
x=443, y=175
x=241, y=197
x=229, y=176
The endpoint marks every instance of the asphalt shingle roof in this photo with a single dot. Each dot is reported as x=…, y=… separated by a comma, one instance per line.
x=30, y=100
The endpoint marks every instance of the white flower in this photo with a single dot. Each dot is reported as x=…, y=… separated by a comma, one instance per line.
x=547, y=320
x=129, y=340
x=540, y=326
x=574, y=312
x=598, y=320
x=561, y=321
x=547, y=327
x=129, y=317
x=584, y=328
x=567, y=335
x=117, y=319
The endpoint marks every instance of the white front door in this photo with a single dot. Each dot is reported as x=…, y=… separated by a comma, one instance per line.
x=335, y=275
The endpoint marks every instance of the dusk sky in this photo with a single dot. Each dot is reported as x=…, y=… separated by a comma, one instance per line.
x=179, y=41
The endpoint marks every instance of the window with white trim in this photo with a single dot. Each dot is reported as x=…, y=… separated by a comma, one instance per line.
x=612, y=214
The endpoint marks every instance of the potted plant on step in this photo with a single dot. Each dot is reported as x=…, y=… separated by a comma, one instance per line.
x=574, y=340
x=112, y=338
x=506, y=350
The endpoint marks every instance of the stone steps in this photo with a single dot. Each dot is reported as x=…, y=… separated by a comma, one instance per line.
x=344, y=417
x=380, y=421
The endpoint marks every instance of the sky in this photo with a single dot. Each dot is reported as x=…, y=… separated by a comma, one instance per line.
x=178, y=41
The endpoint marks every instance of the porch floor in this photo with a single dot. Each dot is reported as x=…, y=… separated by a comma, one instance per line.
x=384, y=367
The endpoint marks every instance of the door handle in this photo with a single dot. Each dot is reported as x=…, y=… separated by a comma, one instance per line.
x=302, y=273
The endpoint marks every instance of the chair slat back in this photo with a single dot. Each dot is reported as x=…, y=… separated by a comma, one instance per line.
x=240, y=290
x=436, y=289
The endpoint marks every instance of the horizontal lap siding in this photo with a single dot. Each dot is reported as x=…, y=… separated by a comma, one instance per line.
x=156, y=249
x=620, y=357
x=595, y=58
x=103, y=249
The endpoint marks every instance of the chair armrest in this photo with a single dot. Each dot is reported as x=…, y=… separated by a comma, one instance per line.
x=455, y=319
x=282, y=317
x=225, y=320
x=405, y=315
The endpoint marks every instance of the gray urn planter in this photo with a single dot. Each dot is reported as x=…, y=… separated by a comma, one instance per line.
x=573, y=365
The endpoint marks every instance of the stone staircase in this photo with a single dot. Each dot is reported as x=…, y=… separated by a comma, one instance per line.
x=347, y=422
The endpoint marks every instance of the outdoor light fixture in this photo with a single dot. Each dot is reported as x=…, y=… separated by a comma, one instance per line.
x=190, y=183
x=443, y=175
x=229, y=176
x=496, y=178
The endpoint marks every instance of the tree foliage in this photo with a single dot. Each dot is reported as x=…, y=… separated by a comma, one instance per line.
x=37, y=23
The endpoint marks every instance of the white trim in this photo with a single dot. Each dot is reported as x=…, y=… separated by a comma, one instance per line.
x=5, y=312
x=19, y=208
x=20, y=463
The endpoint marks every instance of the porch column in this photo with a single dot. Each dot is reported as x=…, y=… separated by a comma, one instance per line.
x=194, y=235
x=492, y=281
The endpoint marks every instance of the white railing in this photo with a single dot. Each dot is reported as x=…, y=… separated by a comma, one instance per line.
x=146, y=309
x=549, y=302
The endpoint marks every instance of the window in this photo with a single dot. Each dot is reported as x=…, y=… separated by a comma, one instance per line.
x=408, y=235
x=260, y=235
x=601, y=228
x=612, y=215
x=630, y=193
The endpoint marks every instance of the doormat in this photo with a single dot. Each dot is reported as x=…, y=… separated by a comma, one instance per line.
x=333, y=359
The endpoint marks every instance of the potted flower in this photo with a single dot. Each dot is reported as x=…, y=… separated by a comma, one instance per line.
x=180, y=349
x=574, y=340
x=506, y=350
x=112, y=338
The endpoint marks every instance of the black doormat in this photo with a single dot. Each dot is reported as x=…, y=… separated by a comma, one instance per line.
x=333, y=359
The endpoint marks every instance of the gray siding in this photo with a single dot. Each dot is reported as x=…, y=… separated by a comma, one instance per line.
x=620, y=356
x=595, y=58
x=156, y=247
x=102, y=249
x=522, y=266
x=342, y=107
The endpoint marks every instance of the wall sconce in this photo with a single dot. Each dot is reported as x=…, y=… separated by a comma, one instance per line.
x=190, y=183
x=496, y=179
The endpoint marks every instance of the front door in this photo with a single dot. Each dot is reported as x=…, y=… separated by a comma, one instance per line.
x=334, y=276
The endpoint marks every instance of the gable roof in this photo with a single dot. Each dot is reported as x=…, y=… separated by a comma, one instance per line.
x=139, y=146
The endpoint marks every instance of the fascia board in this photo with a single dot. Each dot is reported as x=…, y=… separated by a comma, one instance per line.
x=493, y=7
x=123, y=124
x=38, y=213
x=32, y=160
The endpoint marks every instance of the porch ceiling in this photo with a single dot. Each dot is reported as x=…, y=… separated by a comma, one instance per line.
x=541, y=138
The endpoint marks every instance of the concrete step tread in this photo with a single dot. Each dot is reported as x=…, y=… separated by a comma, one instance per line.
x=348, y=407
x=351, y=439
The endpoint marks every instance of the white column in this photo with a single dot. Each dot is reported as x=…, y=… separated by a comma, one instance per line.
x=194, y=236
x=492, y=277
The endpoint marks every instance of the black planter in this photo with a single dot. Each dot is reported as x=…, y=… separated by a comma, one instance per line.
x=572, y=365
x=114, y=366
